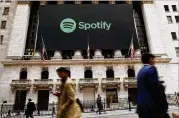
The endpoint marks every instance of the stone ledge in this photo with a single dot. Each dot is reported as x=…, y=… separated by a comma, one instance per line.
x=79, y=62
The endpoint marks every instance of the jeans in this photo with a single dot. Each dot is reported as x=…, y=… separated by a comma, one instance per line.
x=29, y=115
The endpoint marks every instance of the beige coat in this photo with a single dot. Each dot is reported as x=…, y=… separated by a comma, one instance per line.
x=67, y=106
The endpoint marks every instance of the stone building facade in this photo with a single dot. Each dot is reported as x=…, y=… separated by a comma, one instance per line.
x=112, y=78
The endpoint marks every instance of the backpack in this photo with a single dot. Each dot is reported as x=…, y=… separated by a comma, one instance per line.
x=33, y=107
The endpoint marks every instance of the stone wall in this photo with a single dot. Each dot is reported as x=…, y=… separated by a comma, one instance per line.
x=77, y=72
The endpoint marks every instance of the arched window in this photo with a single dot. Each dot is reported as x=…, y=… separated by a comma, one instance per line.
x=44, y=74
x=69, y=73
x=23, y=73
x=88, y=74
x=131, y=72
x=109, y=73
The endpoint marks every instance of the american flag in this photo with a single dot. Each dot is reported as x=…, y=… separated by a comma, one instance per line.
x=88, y=47
x=131, y=49
x=43, y=49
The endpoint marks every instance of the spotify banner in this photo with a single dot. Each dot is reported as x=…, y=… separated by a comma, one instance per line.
x=68, y=27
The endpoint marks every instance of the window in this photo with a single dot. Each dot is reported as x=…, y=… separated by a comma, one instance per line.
x=6, y=11
x=1, y=40
x=174, y=36
x=174, y=7
x=3, y=24
x=177, y=18
x=177, y=51
x=169, y=18
x=166, y=8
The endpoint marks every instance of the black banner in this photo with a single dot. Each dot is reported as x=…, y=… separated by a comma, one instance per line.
x=69, y=27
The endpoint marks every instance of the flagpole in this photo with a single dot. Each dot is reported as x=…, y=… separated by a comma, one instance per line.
x=36, y=36
x=44, y=46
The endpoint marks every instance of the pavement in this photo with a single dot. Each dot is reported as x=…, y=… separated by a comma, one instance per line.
x=112, y=114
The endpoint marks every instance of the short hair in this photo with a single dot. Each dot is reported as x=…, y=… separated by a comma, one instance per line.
x=61, y=69
x=29, y=99
x=146, y=57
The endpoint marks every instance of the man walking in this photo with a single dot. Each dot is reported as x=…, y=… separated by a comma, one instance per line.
x=99, y=104
x=151, y=101
x=30, y=109
x=67, y=106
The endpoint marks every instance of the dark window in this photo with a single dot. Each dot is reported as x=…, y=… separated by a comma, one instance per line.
x=44, y=74
x=177, y=18
x=166, y=8
x=174, y=7
x=177, y=51
x=6, y=11
x=174, y=35
x=131, y=72
x=110, y=73
x=1, y=40
x=23, y=74
x=169, y=18
x=3, y=24
x=88, y=74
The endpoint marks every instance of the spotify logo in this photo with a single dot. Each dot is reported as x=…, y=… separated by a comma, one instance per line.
x=68, y=25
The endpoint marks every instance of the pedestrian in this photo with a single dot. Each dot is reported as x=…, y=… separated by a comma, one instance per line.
x=151, y=100
x=67, y=106
x=30, y=109
x=79, y=103
x=99, y=104
x=129, y=101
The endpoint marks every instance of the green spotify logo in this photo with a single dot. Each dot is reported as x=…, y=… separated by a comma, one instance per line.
x=68, y=25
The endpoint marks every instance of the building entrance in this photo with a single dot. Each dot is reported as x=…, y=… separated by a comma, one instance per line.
x=111, y=96
x=20, y=99
x=43, y=99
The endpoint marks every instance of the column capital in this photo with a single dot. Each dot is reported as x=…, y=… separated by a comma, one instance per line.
x=128, y=1
x=95, y=1
x=147, y=2
x=43, y=2
x=112, y=1
x=78, y=2
x=24, y=2
x=60, y=2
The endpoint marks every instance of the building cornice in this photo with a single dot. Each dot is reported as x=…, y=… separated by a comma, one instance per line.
x=147, y=1
x=80, y=62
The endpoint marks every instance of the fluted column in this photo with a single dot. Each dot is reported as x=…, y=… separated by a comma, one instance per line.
x=19, y=29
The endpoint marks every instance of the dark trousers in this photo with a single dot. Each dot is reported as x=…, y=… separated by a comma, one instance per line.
x=129, y=106
x=29, y=115
x=99, y=110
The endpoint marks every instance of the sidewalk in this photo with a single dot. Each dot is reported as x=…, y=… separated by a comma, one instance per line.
x=110, y=114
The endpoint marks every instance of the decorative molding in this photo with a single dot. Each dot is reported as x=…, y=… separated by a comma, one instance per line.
x=43, y=2
x=112, y=1
x=81, y=62
x=147, y=1
x=129, y=1
x=60, y=2
x=78, y=2
x=44, y=68
x=24, y=2
x=95, y=2
x=88, y=67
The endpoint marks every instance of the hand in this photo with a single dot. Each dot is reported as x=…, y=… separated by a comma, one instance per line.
x=55, y=93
